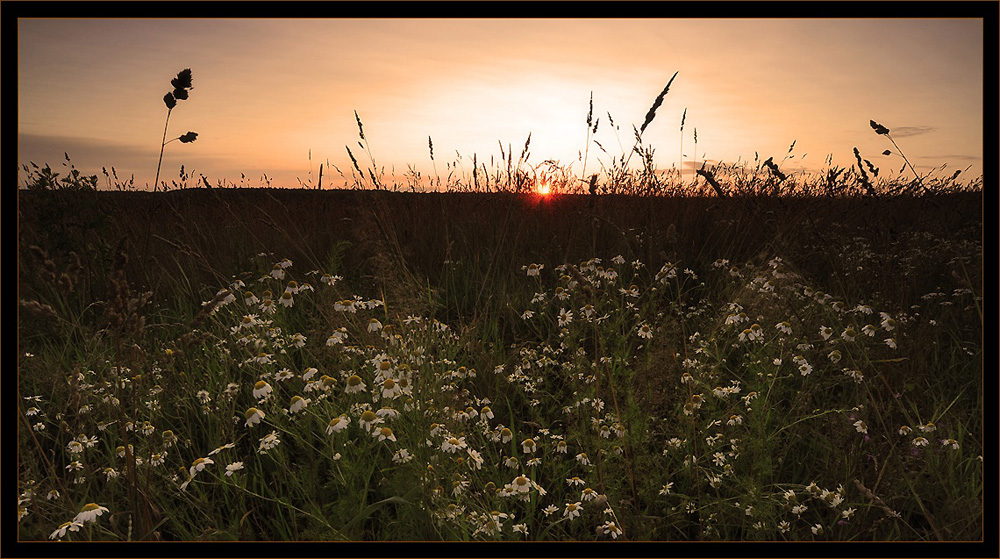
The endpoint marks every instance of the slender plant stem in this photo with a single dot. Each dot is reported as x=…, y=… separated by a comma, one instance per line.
x=163, y=144
x=900, y=152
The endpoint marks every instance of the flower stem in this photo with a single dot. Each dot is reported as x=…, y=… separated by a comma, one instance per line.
x=163, y=144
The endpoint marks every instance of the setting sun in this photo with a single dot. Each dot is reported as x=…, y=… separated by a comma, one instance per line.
x=543, y=187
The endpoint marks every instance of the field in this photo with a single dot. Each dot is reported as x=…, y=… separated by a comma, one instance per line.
x=355, y=365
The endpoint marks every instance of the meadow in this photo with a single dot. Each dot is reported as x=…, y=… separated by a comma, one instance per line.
x=526, y=353
x=355, y=365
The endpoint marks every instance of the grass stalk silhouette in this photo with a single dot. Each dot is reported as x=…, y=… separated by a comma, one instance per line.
x=181, y=83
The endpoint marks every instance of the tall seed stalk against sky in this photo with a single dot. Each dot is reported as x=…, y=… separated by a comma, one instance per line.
x=182, y=83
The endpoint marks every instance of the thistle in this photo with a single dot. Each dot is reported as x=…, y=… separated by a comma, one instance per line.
x=181, y=84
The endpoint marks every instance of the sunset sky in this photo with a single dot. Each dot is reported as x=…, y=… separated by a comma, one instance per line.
x=267, y=92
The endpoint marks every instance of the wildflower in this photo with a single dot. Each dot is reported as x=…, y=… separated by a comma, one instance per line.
x=609, y=528
x=511, y=462
x=950, y=442
x=297, y=404
x=261, y=390
x=267, y=442
x=74, y=447
x=891, y=342
x=521, y=484
x=355, y=384
x=583, y=459
x=784, y=327
x=277, y=272
x=89, y=513
x=927, y=427
x=286, y=300
x=52, y=495
x=384, y=433
x=562, y=447
x=849, y=334
x=453, y=444
x=645, y=331
x=337, y=337
x=565, y=317
x=338, y=424
x=825, y=332
x=834, y=355
x=887, y=322
x=919, y=441
x=72, y=526
x=487, y=412
x=868, y=330
x=233, y=468
x=904, y=430
x=861, y=427
x=550, y=510
x=374, y=325
x=533, y=270
x=572, y=510
x=522, y=528
x=665, y=490
x=367, y=419
x=110, y=473
x=390, y=388
x=846, y=513
x=588, y=494
x=817, y=529
x=506, y=435
x=253, y=416
x=528, y=445
x=199, y=465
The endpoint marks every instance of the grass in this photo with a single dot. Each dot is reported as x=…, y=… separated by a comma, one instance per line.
x=707, y=430
x=759, y=356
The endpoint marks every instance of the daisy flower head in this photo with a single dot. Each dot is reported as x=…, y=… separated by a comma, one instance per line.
x=199, y=464
x=261, y=390
x=528, y=445
x=645, y=332
x=286, y=300
x=374, y=325
x=391, y=388
x=355, y=384
x=572, y=510
x=267, y=442
x=384, y=433
x=233, y=468
x=533, y=270
x=453, y=444
x=338, y=424
x=297, y=404
x=367, y=419
x=89, y=513
x=71, y=526
x=253, y=416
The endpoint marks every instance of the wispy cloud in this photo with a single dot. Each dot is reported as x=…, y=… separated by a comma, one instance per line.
x=904, y=131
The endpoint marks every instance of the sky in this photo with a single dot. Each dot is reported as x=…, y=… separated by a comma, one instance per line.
x=277, y=97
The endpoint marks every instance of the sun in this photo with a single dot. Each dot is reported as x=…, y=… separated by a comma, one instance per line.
x=543, y=187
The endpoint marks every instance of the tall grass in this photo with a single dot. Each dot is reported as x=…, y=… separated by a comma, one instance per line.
x=762, y=356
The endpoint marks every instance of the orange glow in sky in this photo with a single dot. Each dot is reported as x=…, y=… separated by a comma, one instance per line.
x=276, y=98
